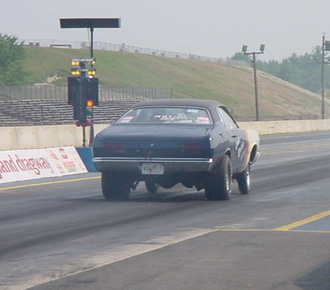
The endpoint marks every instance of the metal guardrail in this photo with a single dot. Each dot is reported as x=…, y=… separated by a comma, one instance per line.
x=125, y=48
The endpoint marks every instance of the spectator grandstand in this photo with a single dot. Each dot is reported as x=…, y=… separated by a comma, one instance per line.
x=48, y=112
x=48, y=105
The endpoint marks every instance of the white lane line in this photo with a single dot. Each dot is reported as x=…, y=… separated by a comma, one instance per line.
x=105, y=258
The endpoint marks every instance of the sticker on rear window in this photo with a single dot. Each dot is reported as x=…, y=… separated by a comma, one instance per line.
x=203, y=120
x=126, y=119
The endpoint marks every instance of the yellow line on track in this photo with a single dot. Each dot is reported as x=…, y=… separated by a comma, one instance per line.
x=48, y=183
x=304, y=221
x=289, y=227
x=243, y=230
x=274, y=230
x=306, y=231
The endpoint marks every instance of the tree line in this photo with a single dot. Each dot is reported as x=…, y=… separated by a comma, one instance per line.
x=302, y=70
x=11, y=56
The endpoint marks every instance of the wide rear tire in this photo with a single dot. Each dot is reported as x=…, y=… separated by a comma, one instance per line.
x=218, y=186
x=244, y=180
x=115, y=186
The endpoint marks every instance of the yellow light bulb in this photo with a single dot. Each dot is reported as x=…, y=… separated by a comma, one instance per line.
x=75, y=73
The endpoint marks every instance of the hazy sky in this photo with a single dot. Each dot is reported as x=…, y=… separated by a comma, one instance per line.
x=216, y=28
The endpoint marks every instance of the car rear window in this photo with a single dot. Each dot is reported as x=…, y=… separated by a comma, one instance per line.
x=174, y=115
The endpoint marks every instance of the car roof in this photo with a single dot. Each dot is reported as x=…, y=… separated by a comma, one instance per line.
x=209, y=104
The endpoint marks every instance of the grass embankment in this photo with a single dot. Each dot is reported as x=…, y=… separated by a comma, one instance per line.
x=231, y=85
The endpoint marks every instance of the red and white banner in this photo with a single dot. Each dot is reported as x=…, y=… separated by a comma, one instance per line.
x=66, y=160
x=18, y=165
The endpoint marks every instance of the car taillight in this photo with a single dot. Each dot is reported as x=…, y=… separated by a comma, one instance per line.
x=114, y=147
x=191, y=148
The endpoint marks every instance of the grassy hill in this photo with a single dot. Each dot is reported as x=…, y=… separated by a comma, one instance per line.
x=231, y=85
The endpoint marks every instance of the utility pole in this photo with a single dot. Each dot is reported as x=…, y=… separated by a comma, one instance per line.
x=254, y=53
x=325, y=47
x=322, y=76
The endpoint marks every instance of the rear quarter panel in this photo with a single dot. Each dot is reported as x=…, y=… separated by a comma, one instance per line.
x=247, y=144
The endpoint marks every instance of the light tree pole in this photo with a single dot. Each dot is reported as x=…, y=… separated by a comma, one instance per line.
x=90, y=23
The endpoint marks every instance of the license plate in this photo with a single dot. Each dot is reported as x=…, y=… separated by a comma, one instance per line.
x=152, y=168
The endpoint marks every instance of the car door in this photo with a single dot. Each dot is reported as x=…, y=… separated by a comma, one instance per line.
x=237, y=140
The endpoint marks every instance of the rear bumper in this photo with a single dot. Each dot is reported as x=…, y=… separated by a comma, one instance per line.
x=170, y=164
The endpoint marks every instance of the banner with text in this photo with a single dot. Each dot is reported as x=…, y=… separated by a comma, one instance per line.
x=16, y=165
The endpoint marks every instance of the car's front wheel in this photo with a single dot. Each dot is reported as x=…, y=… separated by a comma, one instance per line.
x=115, y=186
x=244, y=180
x=218, y=186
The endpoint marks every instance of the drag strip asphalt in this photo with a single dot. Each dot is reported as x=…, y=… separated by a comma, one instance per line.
x=60, y=233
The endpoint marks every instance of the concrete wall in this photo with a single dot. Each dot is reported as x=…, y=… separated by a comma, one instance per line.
x=12, y=138
x=39, y=137
x=293, y=126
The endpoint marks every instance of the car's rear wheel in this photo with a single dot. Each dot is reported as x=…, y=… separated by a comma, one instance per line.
x=244, y=180
x=218, y=186
x=115, y=186
x=151, y=186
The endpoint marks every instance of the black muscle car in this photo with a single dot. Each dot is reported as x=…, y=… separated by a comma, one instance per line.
x=165, y=142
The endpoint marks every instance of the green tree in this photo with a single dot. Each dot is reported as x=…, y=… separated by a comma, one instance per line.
x=11, y=56
x=272, y=67
x=240, y=56
x=303, y=70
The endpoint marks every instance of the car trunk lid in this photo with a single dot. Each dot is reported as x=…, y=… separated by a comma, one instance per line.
x=162, y=141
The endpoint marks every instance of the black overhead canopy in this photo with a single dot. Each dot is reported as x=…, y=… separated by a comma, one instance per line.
x=90, y=22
